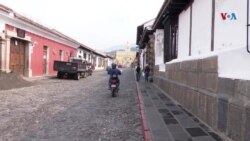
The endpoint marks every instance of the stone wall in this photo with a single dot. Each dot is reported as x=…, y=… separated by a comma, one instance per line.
x=222, y=103
x=150, y=55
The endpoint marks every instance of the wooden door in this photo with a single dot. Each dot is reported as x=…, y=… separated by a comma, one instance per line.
x=45, y=54
x=17, y=56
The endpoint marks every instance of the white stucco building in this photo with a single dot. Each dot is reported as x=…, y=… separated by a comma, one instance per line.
x=204, y=63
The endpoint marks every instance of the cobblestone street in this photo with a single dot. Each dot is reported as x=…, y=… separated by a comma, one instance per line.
x=59, y=110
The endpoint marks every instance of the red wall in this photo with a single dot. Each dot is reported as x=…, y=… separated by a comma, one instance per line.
x=53, y=50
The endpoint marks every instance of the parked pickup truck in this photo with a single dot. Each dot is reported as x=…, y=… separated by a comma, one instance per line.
x=76, y=68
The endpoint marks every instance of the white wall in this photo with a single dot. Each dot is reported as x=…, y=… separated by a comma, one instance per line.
x=159, y=45
x=234, y=64
x=2, y=26
x=97, y=63
x=229, y=36
x=2, y=47
x=82, y=54
x=110, y=61
x=78, y=53
x=201, y=27
x=184, y=32
x=230, y=33
x=142, y=58
x=230, y=39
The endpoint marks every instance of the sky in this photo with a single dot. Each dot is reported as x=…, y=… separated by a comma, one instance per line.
x=99, y=24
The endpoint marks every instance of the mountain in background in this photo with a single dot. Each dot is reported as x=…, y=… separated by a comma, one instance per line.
x=119, y=48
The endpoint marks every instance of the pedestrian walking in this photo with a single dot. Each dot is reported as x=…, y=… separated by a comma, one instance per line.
x=146, y=72
x=138, y=72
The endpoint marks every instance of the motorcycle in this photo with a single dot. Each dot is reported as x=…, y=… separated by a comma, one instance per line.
x=114, y=86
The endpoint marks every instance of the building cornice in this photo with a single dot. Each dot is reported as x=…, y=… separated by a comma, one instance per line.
x=10, y=17
x=169, y=8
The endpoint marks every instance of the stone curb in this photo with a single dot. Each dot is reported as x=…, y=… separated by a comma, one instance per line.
x=146, y=132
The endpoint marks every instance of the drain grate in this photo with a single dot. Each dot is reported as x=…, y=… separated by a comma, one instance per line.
x=165, y=113
x=165, y=99
x=195, y=132
x=170, y=121
x=155, y=98
x=215, y=136
x=170, y=104
x=162, y=95
x=163, y=110
x=176, y=112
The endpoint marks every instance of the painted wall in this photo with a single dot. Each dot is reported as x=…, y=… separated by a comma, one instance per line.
x=159, y=37
x=201, y=26
x=81, y=52
x=2, y=48
x=99, y=63
x=229, y=36
x=230, y=24
x=53, y=54
x=142, y=57
x=110, y=61
x=184, y=34
x=11, y=20
x=230, y=39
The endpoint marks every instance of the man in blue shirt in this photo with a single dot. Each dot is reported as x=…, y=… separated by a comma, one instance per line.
x=114, y=72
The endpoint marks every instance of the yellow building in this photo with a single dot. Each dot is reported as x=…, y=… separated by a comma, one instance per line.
x=126, y=57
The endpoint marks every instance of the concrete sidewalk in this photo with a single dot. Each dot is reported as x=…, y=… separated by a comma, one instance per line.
x=169, y=121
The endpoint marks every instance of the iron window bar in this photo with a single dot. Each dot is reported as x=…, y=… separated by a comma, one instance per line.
x=248, y=50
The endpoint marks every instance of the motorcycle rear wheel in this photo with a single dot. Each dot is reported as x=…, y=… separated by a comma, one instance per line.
x=113, y=92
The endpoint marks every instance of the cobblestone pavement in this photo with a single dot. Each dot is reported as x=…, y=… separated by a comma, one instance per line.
x=67, y=110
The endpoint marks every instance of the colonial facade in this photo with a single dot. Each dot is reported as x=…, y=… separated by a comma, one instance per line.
x=125, y=57
x=85, y=53
x=202, y=60
x=99, y=60
x=108, y=60
x=146, y=41
x=29, y=48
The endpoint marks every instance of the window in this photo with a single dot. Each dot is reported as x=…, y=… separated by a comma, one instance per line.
x=99, y=62
x=71, y=54
x=61, y=55
x=171, y=39
x=84, y=56
x=174, y=42
x=60, y=52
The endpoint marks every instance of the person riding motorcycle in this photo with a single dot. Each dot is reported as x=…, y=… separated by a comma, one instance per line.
x=114, y=72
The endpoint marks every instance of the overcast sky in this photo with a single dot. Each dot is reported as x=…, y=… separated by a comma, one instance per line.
x=99, y=24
